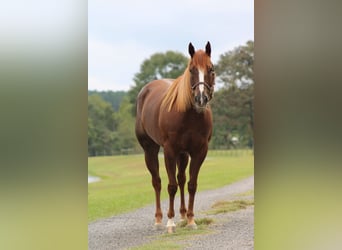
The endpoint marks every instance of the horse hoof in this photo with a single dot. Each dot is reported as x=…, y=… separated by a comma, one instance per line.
x=171, y=226
x=182, y=218
x=192, y=226
x=159, y=226
x=171, y=229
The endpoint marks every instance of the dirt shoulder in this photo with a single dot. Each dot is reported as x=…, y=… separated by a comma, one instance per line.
x=233, y=230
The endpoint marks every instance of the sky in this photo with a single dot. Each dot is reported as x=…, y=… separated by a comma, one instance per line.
x=122, y=34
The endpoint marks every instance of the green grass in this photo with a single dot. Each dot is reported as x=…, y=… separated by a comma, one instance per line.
x=247, y=193
x=159, y=245
x=229, y=206
x=199, y=222
x=126, y=183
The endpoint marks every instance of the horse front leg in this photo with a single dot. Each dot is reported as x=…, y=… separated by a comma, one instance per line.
x=181, y=177
x=195, y=165
x=170, y=164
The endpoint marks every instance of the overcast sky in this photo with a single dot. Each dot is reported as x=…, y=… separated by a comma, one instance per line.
x=121, y=34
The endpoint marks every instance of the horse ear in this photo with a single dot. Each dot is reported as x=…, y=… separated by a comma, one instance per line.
x=191, y=50
x=208, y=49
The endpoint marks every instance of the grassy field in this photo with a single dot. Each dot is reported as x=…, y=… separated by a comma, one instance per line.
x=126, y=183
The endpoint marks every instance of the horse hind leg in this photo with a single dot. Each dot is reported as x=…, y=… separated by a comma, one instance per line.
x=182, y=163
x=151, y=150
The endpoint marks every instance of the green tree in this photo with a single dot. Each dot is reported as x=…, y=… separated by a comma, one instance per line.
x=101, y=126
x=236, y=67
x=233, y=105
x=113, y=97
x=125, y=140
x=160, y=65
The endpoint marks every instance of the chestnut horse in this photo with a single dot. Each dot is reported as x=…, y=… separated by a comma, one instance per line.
x=175, y=114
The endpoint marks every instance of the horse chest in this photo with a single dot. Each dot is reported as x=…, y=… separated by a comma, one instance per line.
x=187, y=132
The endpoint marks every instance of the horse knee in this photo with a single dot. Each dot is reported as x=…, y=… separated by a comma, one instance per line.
x=172, y=189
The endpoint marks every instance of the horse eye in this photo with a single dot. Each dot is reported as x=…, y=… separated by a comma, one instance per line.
x=193, y=70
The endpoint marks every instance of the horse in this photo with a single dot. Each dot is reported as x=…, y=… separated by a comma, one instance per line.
x=175, y=114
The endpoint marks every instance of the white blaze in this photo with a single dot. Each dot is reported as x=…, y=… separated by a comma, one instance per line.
x=201, y=87
x=201, y=79
x=201, y=75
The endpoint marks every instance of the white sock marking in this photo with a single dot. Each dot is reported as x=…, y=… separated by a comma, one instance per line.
x=170, y=223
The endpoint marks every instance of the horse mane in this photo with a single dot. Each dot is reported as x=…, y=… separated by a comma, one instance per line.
x=179, y=92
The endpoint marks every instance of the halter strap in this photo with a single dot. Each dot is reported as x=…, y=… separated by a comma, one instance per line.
x=204, y=83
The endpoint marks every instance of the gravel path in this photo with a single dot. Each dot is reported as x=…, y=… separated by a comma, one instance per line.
x=234, y=230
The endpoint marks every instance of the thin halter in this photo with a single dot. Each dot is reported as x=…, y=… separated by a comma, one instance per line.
x=204, y=83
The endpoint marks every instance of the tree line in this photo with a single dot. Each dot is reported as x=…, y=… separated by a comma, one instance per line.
x=111, y=115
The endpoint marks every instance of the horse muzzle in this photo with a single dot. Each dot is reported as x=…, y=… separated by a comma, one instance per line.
x=202, y=93
x=201, y=100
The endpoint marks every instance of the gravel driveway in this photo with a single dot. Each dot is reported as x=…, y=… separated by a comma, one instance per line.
x=233, y=230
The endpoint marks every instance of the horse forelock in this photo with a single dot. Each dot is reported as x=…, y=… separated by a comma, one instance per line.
x=201, y=60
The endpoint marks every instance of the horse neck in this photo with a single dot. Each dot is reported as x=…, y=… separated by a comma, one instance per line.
x=178, y=96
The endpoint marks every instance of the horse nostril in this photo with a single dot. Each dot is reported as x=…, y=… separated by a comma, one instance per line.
x=205, y=99
x=197, y=98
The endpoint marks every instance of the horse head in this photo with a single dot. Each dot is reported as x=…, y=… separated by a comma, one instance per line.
x=202, y=76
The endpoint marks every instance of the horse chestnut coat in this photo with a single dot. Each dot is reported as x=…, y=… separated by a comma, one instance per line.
x=175, y=115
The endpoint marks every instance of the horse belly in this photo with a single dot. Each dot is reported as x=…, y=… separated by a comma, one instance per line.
x=151, y=126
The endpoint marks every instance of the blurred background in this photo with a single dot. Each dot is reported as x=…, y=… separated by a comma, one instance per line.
x=129, y=48
x=44, y=119
x=111, y=114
